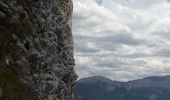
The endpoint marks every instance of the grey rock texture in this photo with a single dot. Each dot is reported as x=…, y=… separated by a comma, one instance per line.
x=36, y=50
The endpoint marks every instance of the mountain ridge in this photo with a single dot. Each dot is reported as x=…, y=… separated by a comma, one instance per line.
x=101, y=88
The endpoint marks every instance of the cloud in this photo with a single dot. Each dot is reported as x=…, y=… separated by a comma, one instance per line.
x=100, y=2
x=122, y=39
x=137, y=4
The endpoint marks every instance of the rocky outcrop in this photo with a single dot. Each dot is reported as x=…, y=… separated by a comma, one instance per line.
x=36, y=50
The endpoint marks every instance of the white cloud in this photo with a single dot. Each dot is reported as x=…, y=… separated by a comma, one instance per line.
x=122, y=39
x=138, y=4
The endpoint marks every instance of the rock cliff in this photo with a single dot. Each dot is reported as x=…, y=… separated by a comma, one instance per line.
x=36, y=50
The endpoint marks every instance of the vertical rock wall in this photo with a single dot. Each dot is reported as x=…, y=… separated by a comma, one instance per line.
x=36, y=50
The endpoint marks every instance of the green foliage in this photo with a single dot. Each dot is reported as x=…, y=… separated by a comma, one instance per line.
x=21, y=28
x=27, y=5
x=12, y=88
x=10, y=83
x=8, y=27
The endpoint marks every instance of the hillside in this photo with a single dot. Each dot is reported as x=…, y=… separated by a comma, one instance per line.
x=101, y=88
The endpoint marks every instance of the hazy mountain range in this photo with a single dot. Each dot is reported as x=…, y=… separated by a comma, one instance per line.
x=101, y=88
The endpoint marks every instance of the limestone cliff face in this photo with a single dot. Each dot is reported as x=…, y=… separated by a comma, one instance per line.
x=36, y=50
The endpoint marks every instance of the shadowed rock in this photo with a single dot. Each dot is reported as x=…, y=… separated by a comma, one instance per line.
x=36, y=50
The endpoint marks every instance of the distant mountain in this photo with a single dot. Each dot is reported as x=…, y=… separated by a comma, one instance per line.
x=101, y=88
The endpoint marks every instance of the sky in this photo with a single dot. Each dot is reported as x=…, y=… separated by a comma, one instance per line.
x=122, y=39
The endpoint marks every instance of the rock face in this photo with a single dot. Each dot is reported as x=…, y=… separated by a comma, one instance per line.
x=36, y=50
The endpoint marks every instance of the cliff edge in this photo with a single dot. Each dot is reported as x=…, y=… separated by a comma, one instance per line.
x=36, y=50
